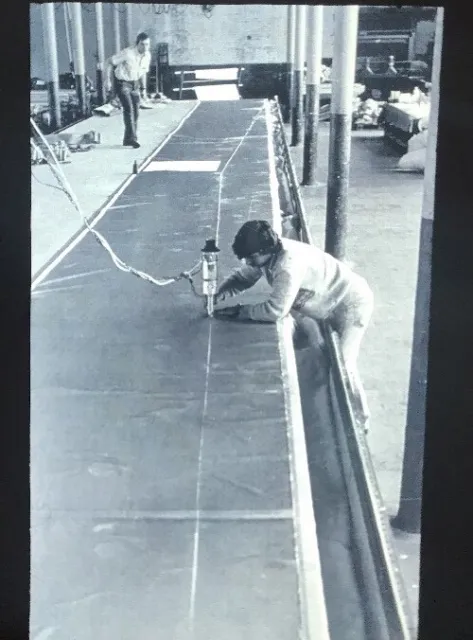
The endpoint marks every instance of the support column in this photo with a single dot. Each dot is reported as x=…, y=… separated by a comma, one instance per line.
x=52, y=69
x=297, y=107
x=78, y=50
x=315, y=30
x=100, y=53
x=291, y=12
x=67, y=25
x=343, y=80
x=408, y=517
x=130, y=38
x=116, y=27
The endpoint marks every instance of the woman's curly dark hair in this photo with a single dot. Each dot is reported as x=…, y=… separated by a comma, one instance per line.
x=255, y=236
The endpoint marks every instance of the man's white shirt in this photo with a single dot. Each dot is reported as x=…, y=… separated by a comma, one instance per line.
x=131, y=65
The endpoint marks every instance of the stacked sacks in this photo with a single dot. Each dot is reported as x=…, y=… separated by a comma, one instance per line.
x=414, y=160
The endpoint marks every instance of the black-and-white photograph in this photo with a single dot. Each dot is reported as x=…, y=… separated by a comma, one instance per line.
x=231, y=240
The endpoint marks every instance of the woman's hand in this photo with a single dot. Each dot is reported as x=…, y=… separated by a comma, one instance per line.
x=217, y=298
x=228, y=312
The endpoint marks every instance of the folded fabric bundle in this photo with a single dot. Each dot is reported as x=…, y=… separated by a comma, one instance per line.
x=413, y=161
x=106, y=110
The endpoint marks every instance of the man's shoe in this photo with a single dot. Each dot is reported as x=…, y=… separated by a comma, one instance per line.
x=135, y=144
x=127, y=143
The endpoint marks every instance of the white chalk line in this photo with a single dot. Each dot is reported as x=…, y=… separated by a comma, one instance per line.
x=195, y=559
x=78, y=275
x=220, y=178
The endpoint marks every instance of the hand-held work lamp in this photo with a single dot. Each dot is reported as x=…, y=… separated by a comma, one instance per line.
x=209, y=273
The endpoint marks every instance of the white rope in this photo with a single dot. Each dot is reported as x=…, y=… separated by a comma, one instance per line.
x=120, y=264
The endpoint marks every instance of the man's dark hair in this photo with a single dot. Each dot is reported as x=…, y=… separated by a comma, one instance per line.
x=141, y=36
x=255, y=236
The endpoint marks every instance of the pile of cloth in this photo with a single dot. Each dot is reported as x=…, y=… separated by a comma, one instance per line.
x=114, y=106
x=325, y=109
x=152, y=101
x=108, y=109
x=367, y=112
x=415, y=97
x=414, y=160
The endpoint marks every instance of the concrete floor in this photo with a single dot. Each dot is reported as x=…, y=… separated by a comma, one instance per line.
x=383, y=244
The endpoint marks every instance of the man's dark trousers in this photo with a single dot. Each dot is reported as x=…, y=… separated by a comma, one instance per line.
x=129, y=96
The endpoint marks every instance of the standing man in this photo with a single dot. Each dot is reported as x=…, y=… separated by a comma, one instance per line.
x=305, y=280
x=126, y=72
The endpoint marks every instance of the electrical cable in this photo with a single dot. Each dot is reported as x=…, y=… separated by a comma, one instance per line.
x=47, y=184
x=120, y=264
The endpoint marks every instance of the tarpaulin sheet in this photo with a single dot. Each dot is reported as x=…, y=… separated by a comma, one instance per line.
x=160, y=473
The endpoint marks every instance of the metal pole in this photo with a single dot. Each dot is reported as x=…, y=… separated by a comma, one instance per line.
x=78, y=48
x=116, y=27
x=408, y=517
x=129, y=24
x=52, y=69
x=67, y=22
x=315, y=29
x=343, y=79
x=100, y=53
x=297, y=106
x=291, y=11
